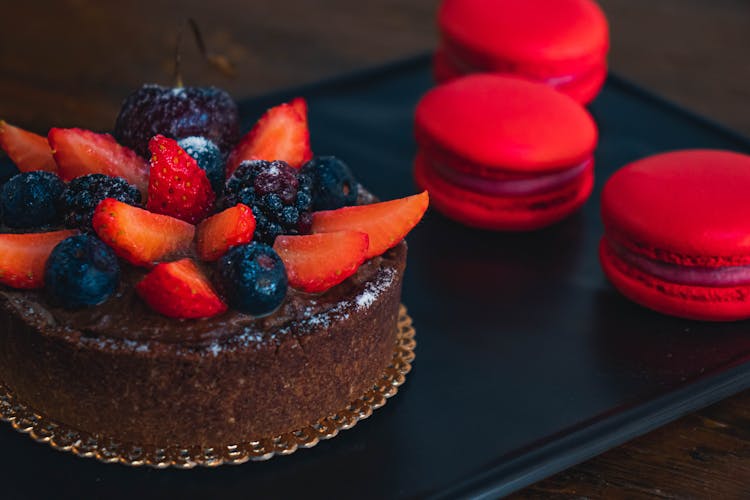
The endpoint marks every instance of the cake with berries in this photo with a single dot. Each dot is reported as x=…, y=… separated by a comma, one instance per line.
x=176, y=285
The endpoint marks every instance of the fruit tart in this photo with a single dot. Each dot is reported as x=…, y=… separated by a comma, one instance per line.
x=175, y=284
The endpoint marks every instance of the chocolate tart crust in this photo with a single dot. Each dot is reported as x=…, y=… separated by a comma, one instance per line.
x=241, y=385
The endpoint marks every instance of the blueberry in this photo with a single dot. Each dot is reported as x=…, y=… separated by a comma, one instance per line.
x=83, y=194
x=334, y=186
x=177, y=112
x=209, y=158
x=81, y=271
x=29, y=200
x=279, y=195
x=253, y=279
x=7, y=169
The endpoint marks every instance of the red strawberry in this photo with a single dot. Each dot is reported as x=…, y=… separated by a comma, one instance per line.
x=178, y=187
x=280, y=134
x=217, y=234
x=139, y=236
x=28, y=150
x=386, y=223
x=23, y=257
x=300, y=106
x=316, y=262
x=180, y=290
x=80, y=152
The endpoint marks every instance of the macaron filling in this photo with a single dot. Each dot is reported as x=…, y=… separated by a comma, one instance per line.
x=684, y=275
x=555, y=81
x=515, y=187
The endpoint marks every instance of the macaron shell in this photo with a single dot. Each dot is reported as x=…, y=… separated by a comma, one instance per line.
x=690, y=302
x=582, y=88
x=554, y=35
x=442, y=68
x=687, y=207
x=506, y=123
x=586, y=87
x=523, y=213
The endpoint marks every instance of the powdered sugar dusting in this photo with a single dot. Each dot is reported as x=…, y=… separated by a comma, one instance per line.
x=214, y=348
x=196, y=144
x=273, y=169
x=373, y=289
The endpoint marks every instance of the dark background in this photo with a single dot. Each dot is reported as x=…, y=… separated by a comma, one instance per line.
x=71, y=62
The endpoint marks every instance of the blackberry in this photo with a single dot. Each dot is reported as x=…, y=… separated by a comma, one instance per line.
x=7, y=169
x=83, y=194
x=81, y=271
x=209, y=157
x=334, y=186
x=279, y=195
x=253, y=279
x=29, y=200
x=177, y=112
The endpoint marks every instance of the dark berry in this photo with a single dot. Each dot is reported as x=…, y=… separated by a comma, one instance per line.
x=7, y=169
x=334, y=185
x=81, y=271
x=176, y=113
x=209, y=158
x=278, y=194
x=252, y=278
x=83, y=194
x=29, y=200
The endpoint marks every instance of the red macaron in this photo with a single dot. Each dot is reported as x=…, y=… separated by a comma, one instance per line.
x=504, y=153
x=562, y=43
x=677, y=234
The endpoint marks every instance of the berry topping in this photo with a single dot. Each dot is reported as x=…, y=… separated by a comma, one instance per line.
x=177, y=186
x=139, y=236
x=23, y=257
x=83, y=194
x=386, y=223
x=29, y=199
x=7, y=169
x=280, y=134
x=177, y=112
x=316, y=262
x=81, y=271
x=180, y=290
x=252, y=278
x=300, y=106
x=28, y=150
x=80, y=152
x=334, y=185
x=217, y=234
x=209, y=158
x=278, y=194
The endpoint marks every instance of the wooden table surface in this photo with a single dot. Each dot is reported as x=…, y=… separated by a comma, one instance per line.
x=71, y=62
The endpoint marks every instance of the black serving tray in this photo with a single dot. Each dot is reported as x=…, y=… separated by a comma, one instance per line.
x=528, y=361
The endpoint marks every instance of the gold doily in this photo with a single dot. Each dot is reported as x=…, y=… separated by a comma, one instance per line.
x=61, y=437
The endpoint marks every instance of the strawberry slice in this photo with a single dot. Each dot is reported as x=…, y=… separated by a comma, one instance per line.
x=177, y=187
x=180, y=290
x=27, y=150
x=300, y=106
x=280, y=134
x=139, y=236
x=316, y=262
x=80, y=152
x=217, y=234
x=23, y=257
x=386, y=223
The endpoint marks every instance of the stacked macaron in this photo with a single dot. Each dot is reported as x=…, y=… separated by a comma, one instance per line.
x=677, y=233
x=562, y=43
x=503, y=153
